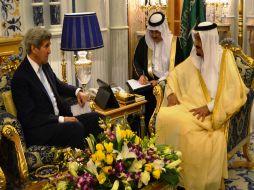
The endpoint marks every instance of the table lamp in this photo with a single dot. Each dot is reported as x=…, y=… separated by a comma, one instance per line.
x=81, y=32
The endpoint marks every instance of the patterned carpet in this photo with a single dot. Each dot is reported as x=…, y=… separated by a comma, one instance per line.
x=241, y=179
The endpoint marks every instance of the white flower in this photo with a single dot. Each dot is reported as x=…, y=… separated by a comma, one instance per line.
x=73, y=168
x=90, y=141
x=173, y=164
x=115, y=185
x=167, y=150
x=136, y=166
x=91, y=167
x=158, y=164
x=128, y=187
x=145, y=177
x=125, y=153
x=178, y=169
x=179, y=154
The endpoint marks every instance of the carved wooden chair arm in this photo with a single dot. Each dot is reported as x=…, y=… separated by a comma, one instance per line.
x=11, y=134
x=158, y=93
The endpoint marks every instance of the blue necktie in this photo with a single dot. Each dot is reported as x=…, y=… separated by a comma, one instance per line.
x=50, y=93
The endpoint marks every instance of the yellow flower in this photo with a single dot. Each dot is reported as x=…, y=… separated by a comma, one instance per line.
x=100, y=155
x=108, y=147
x=109, y=159
x=62, y=185
x=118, y=134
x=148, y=167
x=156, y=173
x=101, y=178
x=123, y=134
x=99, y=147
x=93, y=157
x=106, y=169
x=137, y=140
x=98, y=163
x=129, y=133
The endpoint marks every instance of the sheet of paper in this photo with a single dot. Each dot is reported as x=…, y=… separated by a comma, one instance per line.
x=78, y=110
x=134, y=84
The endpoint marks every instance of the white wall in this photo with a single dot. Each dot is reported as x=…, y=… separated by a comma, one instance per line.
x=103, y=60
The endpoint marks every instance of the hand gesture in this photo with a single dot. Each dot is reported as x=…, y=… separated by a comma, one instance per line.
x=201, y=112
x=143, y=80
x=154, y=82
x=82, y=98
x=172, y=100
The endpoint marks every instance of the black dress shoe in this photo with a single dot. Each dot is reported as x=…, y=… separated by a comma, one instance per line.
x=179, y=188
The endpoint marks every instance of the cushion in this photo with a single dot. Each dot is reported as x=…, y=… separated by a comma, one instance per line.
x=5, y=85
x=37, y=156
x=245, y=71
x=8, y=103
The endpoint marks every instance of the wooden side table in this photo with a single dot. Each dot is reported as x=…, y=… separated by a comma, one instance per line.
x=124, y=110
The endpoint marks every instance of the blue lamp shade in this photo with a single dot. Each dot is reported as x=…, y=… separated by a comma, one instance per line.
x=81, y=31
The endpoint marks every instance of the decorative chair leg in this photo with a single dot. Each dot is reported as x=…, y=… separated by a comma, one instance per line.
x=248, y=163
x=2, y=180
x=246, y=152
x=11, y=133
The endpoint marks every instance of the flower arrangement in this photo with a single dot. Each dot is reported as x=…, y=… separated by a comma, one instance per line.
x=118, y=159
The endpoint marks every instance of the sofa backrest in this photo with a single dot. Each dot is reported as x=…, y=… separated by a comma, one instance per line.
x=239, y=126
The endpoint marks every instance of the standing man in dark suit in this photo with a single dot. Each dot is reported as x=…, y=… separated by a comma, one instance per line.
x=37, y=93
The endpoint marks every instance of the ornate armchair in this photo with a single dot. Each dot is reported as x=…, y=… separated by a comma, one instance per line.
x=16, y=159
x=238, y=131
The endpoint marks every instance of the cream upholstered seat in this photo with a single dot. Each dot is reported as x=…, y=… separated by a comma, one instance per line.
x=238, y=131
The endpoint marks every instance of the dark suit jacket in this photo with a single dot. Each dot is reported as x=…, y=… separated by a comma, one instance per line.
x=140, y=63
x=34, y=107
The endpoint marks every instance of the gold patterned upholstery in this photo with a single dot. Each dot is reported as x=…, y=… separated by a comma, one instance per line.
x=9, y=46
x=8, y=103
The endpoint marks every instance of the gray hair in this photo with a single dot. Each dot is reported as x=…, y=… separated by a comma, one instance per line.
x=35, y=36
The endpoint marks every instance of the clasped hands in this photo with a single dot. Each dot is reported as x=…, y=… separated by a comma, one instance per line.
x=200, y=112
x=144, y=80
x=82, y=98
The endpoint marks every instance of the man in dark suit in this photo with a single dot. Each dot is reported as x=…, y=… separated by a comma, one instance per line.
x=38, y=96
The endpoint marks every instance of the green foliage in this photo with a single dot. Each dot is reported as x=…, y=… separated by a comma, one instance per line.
x=171, y=176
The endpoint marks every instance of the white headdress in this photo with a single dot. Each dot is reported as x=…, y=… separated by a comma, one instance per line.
x=157, y=21
x=210, y=65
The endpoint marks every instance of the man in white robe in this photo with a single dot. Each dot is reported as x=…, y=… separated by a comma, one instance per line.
x=156, y=53
x=203, y=92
